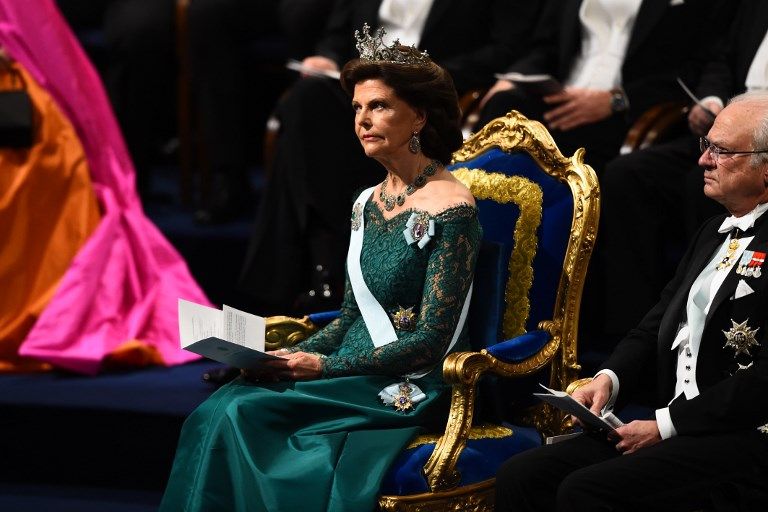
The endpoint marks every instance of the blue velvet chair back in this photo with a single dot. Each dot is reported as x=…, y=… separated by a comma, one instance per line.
x=499, y=220
x=539, y=214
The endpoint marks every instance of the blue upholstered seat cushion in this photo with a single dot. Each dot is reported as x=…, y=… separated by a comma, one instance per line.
x=479, y=461
x=520, y=347
x=323, y=317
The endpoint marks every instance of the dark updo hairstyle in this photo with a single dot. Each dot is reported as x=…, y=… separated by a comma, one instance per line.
x=426, y=87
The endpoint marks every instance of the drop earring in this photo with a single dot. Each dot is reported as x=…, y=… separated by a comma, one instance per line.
x=414, y=145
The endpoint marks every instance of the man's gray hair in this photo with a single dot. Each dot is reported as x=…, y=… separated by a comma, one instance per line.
x=760, y=135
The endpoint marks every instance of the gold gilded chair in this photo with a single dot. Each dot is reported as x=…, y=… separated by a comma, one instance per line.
x=539, y=213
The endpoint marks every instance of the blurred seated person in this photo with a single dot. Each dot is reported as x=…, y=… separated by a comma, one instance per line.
x=141, y=77
x=317, y=429
x=706, y=446
x=139, y=71
x=303, y=30
x=614, y=58
x=89, y=282
x=647, y=188
x=294, y=258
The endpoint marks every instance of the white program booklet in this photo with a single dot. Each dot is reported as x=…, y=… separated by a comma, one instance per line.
x=539, y=85
x=296, y=65
x=228, y=335
x=566, y=403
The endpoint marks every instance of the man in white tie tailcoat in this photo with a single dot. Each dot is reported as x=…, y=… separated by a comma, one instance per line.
x=703, y=348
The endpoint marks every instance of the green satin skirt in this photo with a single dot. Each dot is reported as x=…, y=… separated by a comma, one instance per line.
x=314, y=446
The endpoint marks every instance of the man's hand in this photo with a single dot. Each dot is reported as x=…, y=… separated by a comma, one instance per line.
x=297, y=366
x=500, y=85
x=637, y=434
x=593, y=395
x=577, y=107
x=699, y=120
x=319, y=63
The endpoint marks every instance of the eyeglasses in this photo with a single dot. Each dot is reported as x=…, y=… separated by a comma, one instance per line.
x=716, y=151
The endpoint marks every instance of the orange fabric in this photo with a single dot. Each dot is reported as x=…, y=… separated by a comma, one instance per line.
x=47, y=211
x=132, y=354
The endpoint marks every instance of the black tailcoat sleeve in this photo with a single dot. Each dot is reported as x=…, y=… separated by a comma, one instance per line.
x=730, y=398
x=472, y=39
x=725, y=74
x=664, y=41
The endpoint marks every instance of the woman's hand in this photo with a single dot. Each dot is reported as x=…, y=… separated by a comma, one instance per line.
x=296, y=366
x=264, y=373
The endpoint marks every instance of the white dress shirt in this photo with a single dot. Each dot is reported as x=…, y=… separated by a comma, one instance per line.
x=688, y=338
x=606, y=28
x=757, y=76
x=404, y=20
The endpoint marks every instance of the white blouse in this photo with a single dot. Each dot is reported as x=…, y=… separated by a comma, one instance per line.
x=606, y=28
x=404, y=20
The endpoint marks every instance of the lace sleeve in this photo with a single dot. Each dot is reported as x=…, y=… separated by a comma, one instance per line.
x=449, y=273
x=328, y=339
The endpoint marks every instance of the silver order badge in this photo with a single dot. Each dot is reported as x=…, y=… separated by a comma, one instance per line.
x=741, y=338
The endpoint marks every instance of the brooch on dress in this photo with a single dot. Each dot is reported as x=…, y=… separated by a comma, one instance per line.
x=741, y=338
x=357, y=214
x=419, y=229
x=404, y=319
x=402, y=396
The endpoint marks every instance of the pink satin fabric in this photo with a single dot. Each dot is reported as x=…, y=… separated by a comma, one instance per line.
x=123, y=284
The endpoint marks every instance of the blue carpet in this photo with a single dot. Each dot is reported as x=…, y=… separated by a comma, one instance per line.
x=113, y=431
x=32, y=498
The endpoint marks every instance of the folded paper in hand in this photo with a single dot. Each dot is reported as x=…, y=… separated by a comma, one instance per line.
x=539, y=85
x=229, y=336
x=566, y=403
x=693, y=97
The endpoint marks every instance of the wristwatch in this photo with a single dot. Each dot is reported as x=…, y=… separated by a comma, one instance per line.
x=619, y=101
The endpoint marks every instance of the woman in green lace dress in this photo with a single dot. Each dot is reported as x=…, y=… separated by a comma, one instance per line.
x=318, y=430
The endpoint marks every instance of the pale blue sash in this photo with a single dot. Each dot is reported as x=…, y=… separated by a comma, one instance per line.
x=376, y=319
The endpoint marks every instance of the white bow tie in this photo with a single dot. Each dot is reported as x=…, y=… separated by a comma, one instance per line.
x=743, y=223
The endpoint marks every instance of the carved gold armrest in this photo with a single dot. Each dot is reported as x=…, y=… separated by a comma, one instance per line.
x=287, y=331
x=463, y=370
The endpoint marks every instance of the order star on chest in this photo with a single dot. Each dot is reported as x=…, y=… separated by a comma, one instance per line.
x=741, y=338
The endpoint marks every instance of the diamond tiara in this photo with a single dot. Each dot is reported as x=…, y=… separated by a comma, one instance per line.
x=372, y=47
